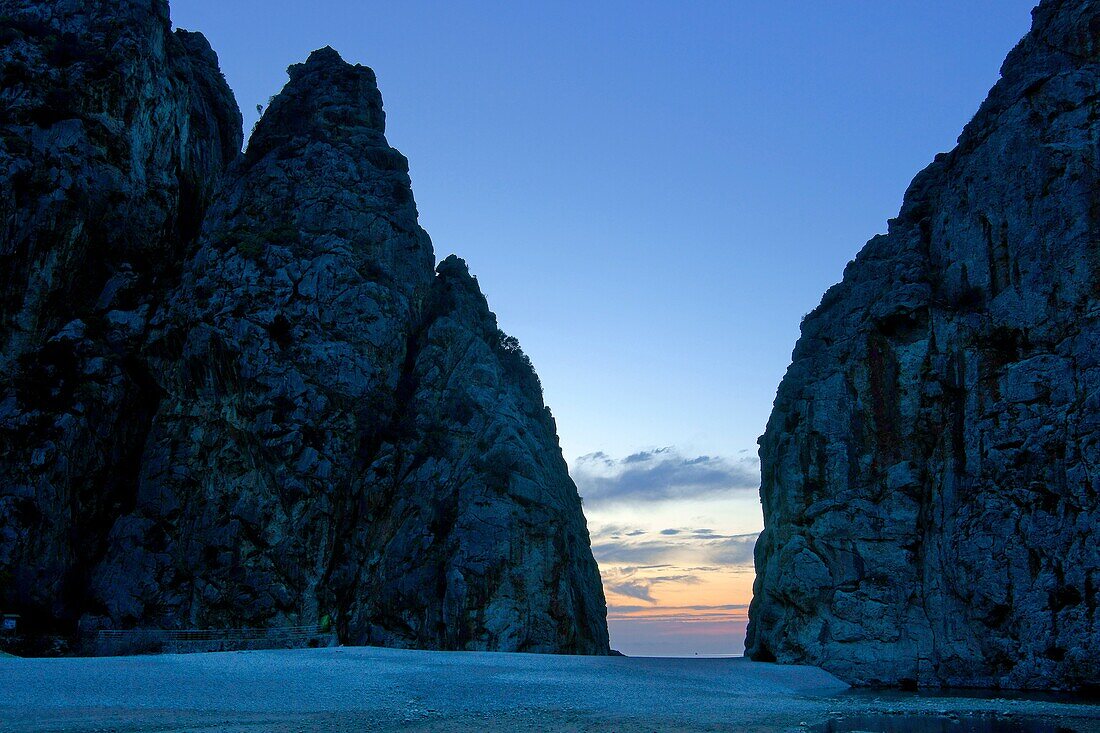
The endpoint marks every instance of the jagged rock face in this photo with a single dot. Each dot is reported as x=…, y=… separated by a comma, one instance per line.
x=930, y=480
x=477, y=539
x=113, y=134
x=278, y=355
x=263, y=407
x=343, y=433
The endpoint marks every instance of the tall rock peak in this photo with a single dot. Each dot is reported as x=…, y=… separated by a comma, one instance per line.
x=454, y=270
x=234, y=391
x=326, y=97
x=453, y=265
x=322, y=57
x=929, y=472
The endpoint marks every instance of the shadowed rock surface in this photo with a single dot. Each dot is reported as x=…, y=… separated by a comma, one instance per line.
x=315, y=423
x=930, y=482
x=113, y=134
x=480, y=508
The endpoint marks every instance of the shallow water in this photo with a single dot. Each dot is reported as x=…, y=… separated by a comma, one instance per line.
x=939, y=724
x=957, y=693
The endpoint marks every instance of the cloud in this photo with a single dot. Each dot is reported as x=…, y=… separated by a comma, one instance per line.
x=661, y=474
x=618, y=531
x=633, y=589
x=614, y=546
x=682, y=614
x=612, y=608
x=635, y=553
x=630, y=583
x=735, y=550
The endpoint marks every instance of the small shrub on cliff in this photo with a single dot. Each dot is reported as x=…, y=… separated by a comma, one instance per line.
x=517, y=365
x=66, y=49
x=1005, y=344
x=59, y=104
x=969, y=298
x=282, y=234
x=9, y=34
x=281, y=331
x=251, y=244
x=497, y=466
x=459, y=408
x=372, y=270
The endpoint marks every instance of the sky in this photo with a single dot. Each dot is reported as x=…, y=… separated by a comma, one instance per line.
x=651, y=195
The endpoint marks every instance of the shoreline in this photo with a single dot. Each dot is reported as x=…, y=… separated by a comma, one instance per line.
x=372, y=688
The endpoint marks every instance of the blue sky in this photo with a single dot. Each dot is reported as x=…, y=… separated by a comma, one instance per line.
x=651, y=195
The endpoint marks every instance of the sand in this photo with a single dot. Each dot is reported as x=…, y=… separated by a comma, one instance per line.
x=368, y=689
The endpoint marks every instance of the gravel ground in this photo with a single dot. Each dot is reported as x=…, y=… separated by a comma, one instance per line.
x=368, y=689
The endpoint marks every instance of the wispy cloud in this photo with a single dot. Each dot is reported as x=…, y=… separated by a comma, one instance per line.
x=639, y=582
x=618, y=609
x=672, y=546
x=661, y=474
x=670, y=542
x=643, y=553
x=633, y=589
x=618, y=531
x=735, y=550
x=683, y=614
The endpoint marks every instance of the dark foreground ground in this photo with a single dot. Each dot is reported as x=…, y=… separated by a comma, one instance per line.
x=368, y=689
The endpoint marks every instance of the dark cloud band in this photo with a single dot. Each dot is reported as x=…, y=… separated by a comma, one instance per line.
x=662, y=474
x=625, y=549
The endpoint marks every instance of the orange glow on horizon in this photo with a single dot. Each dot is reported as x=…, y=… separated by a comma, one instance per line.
x=674, y=593
x=677, y=576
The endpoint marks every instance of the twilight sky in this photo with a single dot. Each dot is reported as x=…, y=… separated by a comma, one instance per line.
x=651, y=195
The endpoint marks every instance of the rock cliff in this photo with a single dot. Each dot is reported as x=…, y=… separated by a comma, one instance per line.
x=929, y=471
x=113, y=133
x=257, y=403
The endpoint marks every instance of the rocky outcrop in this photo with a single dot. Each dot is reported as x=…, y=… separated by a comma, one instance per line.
x=113, y=134
x=481, y=509
x=321, y=427
x=930, y=480
x=276, y=355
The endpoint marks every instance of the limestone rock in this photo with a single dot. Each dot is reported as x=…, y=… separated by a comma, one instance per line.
x=113, y=134
x=481, y=509
x=929, y=472
x=236, y=392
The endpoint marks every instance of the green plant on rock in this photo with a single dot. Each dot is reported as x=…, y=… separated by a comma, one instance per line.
x=517, y=365
x=498, y=466
x=251, y=244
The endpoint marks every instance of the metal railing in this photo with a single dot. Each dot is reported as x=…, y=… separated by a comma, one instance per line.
x=145, y=640
x=216, y=634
